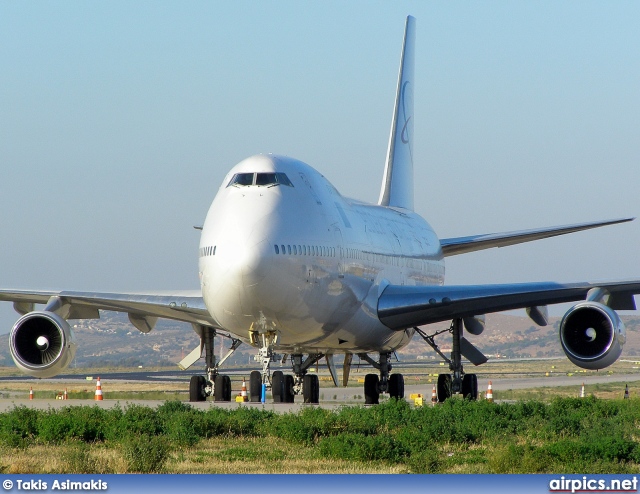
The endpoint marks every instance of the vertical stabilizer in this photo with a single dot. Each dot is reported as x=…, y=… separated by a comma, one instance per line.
x=397, y=183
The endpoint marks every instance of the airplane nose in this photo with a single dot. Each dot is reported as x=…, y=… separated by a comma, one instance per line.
x=245, y=260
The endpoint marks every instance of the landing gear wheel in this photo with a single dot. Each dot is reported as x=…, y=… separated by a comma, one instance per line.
x=222, y=388
x=227, y=388
x=196, y=389
x=287, y=392
x=277, y=386
x=396, y=386
x=444, y=387
x=311, y=389
x=371, y=392
x=470, y=386
x=255, y=387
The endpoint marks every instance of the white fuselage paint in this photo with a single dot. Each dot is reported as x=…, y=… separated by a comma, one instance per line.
x=319, y=288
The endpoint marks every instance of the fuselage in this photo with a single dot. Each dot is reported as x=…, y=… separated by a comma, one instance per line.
x=282, y=250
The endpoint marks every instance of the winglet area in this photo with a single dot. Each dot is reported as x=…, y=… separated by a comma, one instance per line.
x=397, y=183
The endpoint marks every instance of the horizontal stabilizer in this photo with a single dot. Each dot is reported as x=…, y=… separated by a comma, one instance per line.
x=462, y=245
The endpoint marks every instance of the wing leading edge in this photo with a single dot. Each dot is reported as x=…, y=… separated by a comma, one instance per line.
x=401, y=307
x=463, y=245
x=185, y=306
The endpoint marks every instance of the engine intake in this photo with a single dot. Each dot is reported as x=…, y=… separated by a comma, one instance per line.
x=42, y=344
x=592, y=335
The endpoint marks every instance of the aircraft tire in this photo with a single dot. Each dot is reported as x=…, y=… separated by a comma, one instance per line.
x=311, y=389
x=277, y=386
x=371, y=392
x=288, y=389
x=396, y=386
x=470, y=386
x=222, y=388
x=227, y=388
x=196, y=389
x=255, y=387
x=443, y=387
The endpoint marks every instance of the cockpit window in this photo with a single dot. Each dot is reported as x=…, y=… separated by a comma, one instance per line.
x=242, y=179
x=265, y=178
x=262, y=179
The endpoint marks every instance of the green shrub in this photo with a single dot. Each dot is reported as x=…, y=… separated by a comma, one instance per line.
x=145, y=454
x=18, y=426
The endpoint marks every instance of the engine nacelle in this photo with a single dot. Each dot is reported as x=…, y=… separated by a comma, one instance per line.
x=42, y=344
x=592, y=335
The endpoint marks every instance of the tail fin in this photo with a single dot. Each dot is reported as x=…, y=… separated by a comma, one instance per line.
x=397, y=183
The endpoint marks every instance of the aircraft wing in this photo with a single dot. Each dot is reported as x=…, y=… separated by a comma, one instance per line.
x=401, y=307
x=462, y=245
x=187, y=306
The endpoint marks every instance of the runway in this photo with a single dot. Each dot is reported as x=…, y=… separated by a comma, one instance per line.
x=337, y=396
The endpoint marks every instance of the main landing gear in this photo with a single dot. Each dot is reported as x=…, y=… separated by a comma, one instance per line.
x=385, y=383
x=213, y=383
x=457, y=382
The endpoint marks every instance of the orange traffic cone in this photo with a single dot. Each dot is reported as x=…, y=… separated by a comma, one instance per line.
x=490, y=393
x=626, y=391
x=31, y=393
x=243, y=392
x=98, y=396
x=434, y=396
x=65, y=397
x=582, y=391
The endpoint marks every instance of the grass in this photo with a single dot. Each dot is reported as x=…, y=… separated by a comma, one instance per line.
x=566, y=434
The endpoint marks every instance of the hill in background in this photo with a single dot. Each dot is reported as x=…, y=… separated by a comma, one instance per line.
x=113, y=341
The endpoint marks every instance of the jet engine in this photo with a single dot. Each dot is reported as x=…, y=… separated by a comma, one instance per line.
x=42, y=344
x=592, y=335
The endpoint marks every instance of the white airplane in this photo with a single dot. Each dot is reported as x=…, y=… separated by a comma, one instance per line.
x=290, y=266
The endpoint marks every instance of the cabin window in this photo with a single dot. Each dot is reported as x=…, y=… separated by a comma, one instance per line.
x=277, y=250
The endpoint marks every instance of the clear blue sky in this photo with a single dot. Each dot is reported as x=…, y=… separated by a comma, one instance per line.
x=120, y=119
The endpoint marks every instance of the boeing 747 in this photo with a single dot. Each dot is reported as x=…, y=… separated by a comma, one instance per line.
x=293, y=268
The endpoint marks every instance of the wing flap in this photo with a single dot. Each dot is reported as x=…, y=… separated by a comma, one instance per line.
x=463, y=245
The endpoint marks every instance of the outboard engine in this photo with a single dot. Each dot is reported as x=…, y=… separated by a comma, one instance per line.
x=592, y=335
x=42, y=344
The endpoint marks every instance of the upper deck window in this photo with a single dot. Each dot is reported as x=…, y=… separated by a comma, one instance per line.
x=262, y=179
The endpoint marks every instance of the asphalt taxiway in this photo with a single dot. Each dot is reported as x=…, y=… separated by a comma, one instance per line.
x=338, y=396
